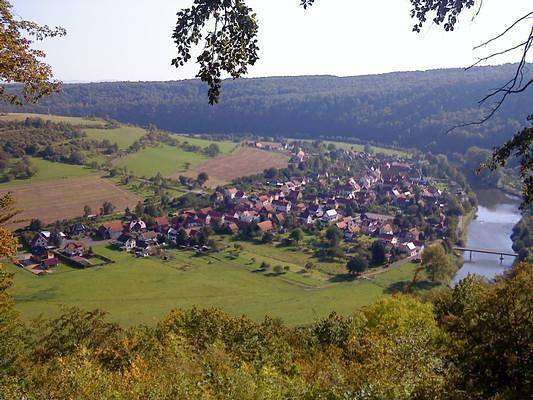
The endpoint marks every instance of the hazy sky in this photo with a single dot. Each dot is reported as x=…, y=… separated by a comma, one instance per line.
x=131, y=39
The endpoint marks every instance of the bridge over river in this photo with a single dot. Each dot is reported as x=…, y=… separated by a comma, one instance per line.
x=501, y=253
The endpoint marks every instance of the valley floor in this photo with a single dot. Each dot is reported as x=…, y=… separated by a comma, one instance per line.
x=143, y=290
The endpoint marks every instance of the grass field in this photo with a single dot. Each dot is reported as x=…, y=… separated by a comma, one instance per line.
x=376, y=149
x=48, y=171
x=124, y=136
x=51, y=200
x=138, y=291
x=167, y=160
x=53, y=118
x=225, y=147
x=242, y=162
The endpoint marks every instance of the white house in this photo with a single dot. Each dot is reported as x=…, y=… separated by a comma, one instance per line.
x=172, y=234
x=331, y=215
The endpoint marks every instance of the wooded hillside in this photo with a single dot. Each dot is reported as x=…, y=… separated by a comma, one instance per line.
x=410, y=109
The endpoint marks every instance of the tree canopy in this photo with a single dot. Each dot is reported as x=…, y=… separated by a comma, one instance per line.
x=20, y=61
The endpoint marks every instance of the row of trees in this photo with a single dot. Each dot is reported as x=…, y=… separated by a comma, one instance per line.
x=398, y=348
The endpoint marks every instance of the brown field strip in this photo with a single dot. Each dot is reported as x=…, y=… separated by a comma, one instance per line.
x=65, y=198
x=243, y=162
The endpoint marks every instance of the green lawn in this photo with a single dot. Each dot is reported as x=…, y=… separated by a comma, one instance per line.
x=167, y=160
x=138, y=291
x=124, y=136
x=50, y=171
x=53, y=118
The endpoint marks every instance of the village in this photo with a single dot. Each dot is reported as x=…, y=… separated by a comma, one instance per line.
x=385, y=199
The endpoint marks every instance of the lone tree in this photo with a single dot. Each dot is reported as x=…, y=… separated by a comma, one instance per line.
x=378, y=252
x=334, y=235
x=202, y=178
x=438, y=265
x=36, y=225
x=87, y=210
x=107, y=208
x=297, y=235
x=228, y=31
x=357, y=265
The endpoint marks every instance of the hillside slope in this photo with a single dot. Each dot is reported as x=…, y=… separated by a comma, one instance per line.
x=411, y=109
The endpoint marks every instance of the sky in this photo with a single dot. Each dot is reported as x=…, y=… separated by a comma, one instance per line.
x=130, y=40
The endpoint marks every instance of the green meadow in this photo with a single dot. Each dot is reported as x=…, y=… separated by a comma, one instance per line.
x=376, y=149
x=124, y=136
x=135, y=290
x=225, y=146
x=48, y=171
x=54, y=118
x=167, y=160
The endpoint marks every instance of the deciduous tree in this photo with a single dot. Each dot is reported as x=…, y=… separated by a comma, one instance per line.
x=20, y=61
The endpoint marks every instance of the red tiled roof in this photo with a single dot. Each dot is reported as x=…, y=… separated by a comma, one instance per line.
x=265, y=226
x=115, y=226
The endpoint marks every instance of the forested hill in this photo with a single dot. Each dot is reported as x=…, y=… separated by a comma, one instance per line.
x=410, y=109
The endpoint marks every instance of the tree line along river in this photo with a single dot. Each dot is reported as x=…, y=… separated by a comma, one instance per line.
x=496, y=216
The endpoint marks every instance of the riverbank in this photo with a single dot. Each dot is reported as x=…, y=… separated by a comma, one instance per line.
x=489, y=226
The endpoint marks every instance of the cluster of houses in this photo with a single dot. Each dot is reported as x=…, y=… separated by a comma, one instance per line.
x=44, y=252
x=298, y=155
x=234, y=210
x=135, y=236
x=314, y=199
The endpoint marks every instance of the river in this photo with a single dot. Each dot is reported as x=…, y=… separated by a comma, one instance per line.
x=491, y=229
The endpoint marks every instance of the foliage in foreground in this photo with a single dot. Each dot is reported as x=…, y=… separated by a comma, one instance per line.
x=472, y=342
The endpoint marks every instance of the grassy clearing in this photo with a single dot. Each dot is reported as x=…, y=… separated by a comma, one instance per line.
x=137, y=290
x=225, y=146
x=49, y=171
x=165, y=159
x=291, y=255
x=124, y=136
x=53, y=118
x=376, y=149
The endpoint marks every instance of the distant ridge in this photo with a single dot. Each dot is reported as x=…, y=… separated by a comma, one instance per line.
x=410, y=109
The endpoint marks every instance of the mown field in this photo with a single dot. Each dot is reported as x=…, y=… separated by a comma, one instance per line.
x=138, y=291
x=49, y=171
x=50, y=200
x=225, y=146
x=167, y=160
x=376, y=149
x=242, y=162
x=171, y=161
x=124, y=136
x=54, y=118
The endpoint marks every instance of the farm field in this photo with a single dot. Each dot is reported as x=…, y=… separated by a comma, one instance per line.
x=167, y=160
x=48, y=170
x=51, y=200
x=242, y=162
x=136, y=290
x=225, y=146
x=376, y=149
x=53, y=118
x=360, y=147
x=124, y=136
